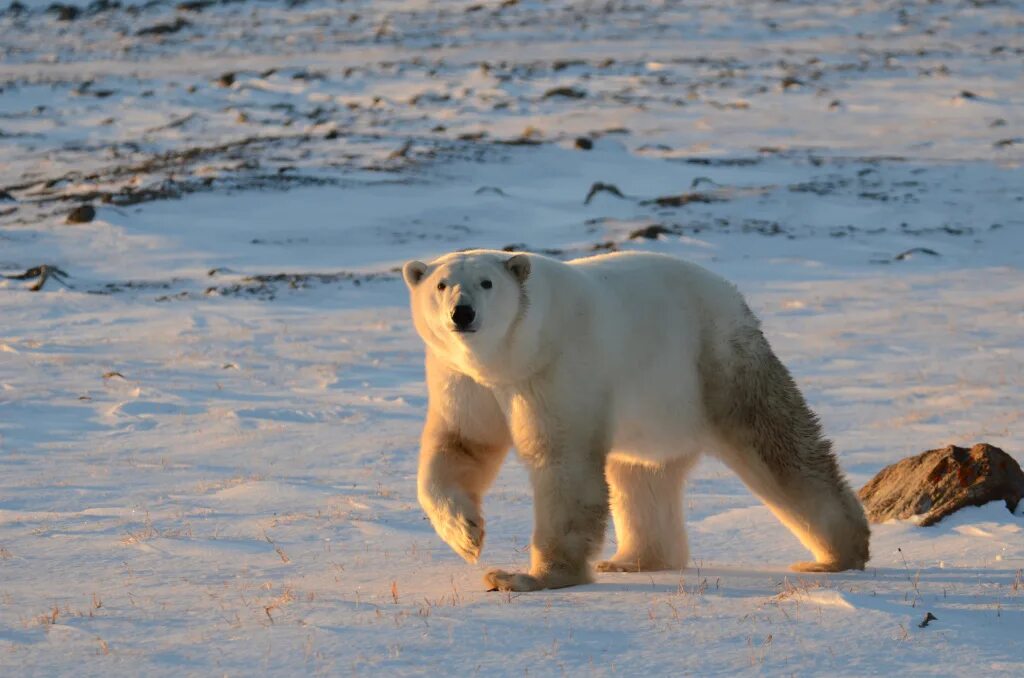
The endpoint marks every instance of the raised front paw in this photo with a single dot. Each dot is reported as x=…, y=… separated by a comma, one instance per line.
x=462, y=528
x=500, y=580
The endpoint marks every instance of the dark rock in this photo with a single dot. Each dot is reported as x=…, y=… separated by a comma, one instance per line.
x=681, y=200
x=915, y=250
x=226, y=80
x=194, y=5
x=601, y=187
x=649, y=232
x=64, y=12
x=565, y=92
x=562, y=64
x=936, y=483
x=82, y=214
x=583, y=143
x=165, y=29
x=520, y=141
x=100, y=6
x=41, y=274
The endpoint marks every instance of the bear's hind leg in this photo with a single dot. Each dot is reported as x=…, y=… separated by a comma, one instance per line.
x=647, y=510
x=773, y=441
x=816, y=505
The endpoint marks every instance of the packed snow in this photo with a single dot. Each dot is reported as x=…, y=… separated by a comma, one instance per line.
x=209, y=411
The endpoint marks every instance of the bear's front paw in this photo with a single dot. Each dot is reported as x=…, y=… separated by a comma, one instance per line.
x=464, y=533
x=500, y=580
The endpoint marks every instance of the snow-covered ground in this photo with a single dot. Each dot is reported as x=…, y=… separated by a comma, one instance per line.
x=208, y=426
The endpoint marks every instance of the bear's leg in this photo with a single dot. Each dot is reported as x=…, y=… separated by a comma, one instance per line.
x=453, y=475
x=647, y=509
x=570, y=499
x=465, y=440
x=821, y=511
x=774, y=442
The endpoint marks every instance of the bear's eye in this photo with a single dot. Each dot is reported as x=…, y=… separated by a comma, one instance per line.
x=441, y=286
x=486, y=284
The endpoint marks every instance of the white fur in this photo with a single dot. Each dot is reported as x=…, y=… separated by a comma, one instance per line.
x=590, y=367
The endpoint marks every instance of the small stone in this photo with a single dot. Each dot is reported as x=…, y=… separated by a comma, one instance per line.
x=82, y=214
x=565, y=92
x=583, y=143
x=936, y=483
x=682, y=199
x=601, y=187
x=649, y=232
x=65, y=12
x=165, y=28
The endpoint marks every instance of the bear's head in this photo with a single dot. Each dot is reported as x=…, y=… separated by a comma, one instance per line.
x=466, y=303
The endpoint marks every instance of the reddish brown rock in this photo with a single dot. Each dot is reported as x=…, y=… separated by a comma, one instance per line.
x=935, y=483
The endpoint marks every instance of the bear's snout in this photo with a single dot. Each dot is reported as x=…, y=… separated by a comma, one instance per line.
x=463, y=316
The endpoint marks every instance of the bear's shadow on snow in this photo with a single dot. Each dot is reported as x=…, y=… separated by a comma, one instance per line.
x=739, y=582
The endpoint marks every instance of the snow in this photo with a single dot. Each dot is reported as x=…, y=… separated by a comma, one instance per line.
x=208, y=432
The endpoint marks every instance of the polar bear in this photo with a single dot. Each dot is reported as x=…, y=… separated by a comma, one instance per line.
x=611, y=375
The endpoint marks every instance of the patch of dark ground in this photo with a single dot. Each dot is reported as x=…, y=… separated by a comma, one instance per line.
x=41, y=275
x=264, y=287
x=170, y=172
x=268, y=286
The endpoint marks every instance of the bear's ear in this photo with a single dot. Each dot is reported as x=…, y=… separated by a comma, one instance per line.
x=519, y=266
x=413, y=272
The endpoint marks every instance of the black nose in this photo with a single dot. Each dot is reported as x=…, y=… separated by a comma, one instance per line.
x=463, y=316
